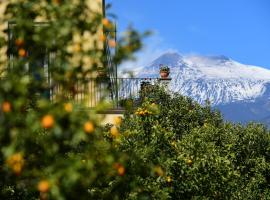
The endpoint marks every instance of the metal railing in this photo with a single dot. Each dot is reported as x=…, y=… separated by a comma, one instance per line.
x=130, y=87
x=90, y=93
x=94, y=91
x=111, y=67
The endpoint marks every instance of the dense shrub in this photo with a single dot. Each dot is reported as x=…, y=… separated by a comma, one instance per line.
x=55, y=149
x=195, y=154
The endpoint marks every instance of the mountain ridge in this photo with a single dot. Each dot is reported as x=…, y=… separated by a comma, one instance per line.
x=221, y=80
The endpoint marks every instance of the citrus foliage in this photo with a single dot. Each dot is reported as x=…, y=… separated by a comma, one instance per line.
x=192, y=153
x=55, y=150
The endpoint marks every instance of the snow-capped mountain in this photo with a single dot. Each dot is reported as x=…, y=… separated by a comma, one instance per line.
x=216, y=78
x=241, y=92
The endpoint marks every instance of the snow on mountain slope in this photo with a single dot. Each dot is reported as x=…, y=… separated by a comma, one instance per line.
x=217, y=67
x=216, y=78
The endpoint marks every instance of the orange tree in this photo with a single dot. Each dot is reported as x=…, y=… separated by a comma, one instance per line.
x=192, y=153
x=55, y=150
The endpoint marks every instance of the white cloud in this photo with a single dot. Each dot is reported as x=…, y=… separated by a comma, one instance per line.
x=154, y=47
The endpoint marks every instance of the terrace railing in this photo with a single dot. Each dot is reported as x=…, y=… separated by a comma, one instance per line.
x=94, y=91
x=129, y=88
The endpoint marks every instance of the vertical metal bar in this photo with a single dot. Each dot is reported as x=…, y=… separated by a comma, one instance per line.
x=9, y=46
x=91, y=95
x=104, y=7
x=116, y=67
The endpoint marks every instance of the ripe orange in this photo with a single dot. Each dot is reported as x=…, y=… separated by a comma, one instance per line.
x=114, y=131
x=47, y=121
x=22, y=52
x=89, y=127
x=68, y=107
x=112, y=43
x=117, y=121
x=43, y=186
x=121, y=170
x=19, y=42
x=106, y=22
x=15, y=158
x=102, y=37
x=17, y=168
x=6, y=107
x=16, y=163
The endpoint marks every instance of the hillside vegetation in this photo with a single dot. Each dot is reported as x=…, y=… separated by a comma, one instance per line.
x=192, y=153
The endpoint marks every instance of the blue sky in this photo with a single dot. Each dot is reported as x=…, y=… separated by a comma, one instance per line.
x=239, y=29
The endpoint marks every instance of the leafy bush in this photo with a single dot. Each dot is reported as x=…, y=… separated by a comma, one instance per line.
x=55, y=150
x=194, y=154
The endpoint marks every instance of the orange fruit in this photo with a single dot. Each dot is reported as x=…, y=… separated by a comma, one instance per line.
x=19, y=42
x=102, y=38
x=43, y=186
x=117, y=120
x=15, y=158
x=6, y=107
x=121, y=170
x=114, y=131
x=106, y=22
x=89, y=127
x=112, y=43
x=16, y=163
x=68, y=107
x=47, y=121
x=17, y=168
x=22, y=52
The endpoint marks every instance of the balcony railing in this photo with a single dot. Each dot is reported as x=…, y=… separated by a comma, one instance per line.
x=129, y=88
x=94, y=91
